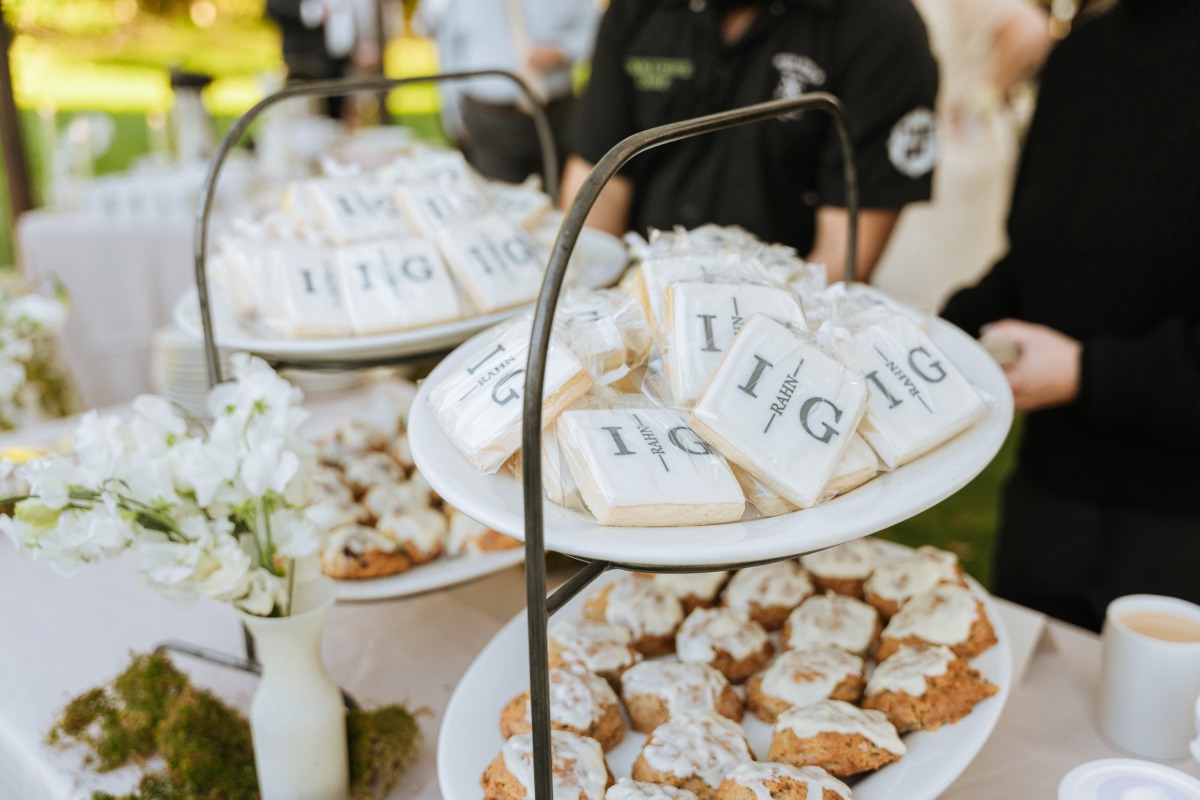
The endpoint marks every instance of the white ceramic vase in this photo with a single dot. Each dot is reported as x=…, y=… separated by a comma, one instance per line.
x=297, y=719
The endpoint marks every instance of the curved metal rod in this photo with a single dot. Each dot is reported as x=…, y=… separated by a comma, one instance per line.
x=539, y=343
x=331, y=89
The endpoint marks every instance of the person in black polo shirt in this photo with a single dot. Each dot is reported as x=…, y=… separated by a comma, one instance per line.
x=659, y=61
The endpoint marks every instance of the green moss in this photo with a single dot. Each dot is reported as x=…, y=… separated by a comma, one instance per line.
x=151, y=709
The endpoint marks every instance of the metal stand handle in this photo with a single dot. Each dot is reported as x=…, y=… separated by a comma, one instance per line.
x=330, y=89
x=531, y=430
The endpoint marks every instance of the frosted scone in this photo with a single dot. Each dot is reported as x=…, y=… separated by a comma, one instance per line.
x=598, y=647
x=768, y=593
x=694, y=589
x=946, y=614
x=834, y=620
x=725, y=639
x=917, y=398
x=421, y=534
x=782, y=410
x=580, y=702
x=923, y=688
x=479, y=406
x=641, y=607
x=646, y=467
x=845, y=568
x=355, y=551
x=350, y=437
x=465, y=535
x=395, y=497
x=367, y=470
x=895, y=580
x=770, y=781
x=802, y=677
x=695, y=751
x=842, y=739
x=655, y=691
x=626, y=789
x=580, y=772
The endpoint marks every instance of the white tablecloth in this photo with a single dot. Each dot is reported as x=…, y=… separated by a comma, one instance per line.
x=123, y=282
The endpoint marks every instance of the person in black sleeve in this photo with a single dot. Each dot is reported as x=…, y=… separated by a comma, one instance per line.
x=659, y=61
x=1100, y=289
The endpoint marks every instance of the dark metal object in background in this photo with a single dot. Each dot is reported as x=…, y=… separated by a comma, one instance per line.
x=531, y=431
x=332, y=89
x=16, y=168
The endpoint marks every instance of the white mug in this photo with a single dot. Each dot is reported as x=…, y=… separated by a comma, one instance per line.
x=1148, y=686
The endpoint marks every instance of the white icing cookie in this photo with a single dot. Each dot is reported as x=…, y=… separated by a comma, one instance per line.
x=918, y=399
x=859, y=464
x=902, y=577
x=594, y=646
x=907, y=668
x=804, y=677
x=656, y=274
x=832, y=619
x=700, y=585
x=395, y=284
x=782, y=584
x=707, y=630
x=524, y=205
x=755, y=776
x=578, y=765
x=577, y=699
x=942, y=615
x=302, y=297
x=433, y=206
x=480, y=406
x=835, y=716
x=682, y=686
x=782, y=410
x=767, y=501
x=496, y=263
x=640, y=606
x=353, y=209
x=697, y=743
x=646, y=467
x=854, y=560
x=701, y=321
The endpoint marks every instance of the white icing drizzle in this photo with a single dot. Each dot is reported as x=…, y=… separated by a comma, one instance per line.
x=912, y=573
x=907, y=668
x=783, y=583
x=327, y=485
x=834, y=716
x=697, y=743
x=464, y=533
x=832, y=619
x=753, y=775
x=942, y=615
x=639, y=605
x=577, y=699
x=804, y=677
x=369, y=469
x=385, y=499
x=854, y=560
x=424, y=528
x=595, y=646
x=701, y=585
x=332, y=513
x=358, y=539
x=683, y=687
x=707, y=630
x=351, y=436
x=626, y=789
x=578, y=764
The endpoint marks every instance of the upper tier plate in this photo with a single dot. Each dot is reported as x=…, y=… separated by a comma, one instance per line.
x=599, y=261
x=496, y=500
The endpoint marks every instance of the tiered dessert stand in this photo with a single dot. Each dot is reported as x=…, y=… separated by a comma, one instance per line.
x=518, y=509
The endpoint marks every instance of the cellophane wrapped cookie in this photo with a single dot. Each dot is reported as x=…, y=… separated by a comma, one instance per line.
x=495, y=261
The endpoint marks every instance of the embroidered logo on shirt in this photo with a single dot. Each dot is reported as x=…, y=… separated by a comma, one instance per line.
x=912, y=144
x=797, y=74
x=653, y=74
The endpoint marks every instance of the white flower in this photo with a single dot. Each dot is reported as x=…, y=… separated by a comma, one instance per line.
x=99, y=441
x=268, y=468
x=224, y=570
x=12, y=376
x=51, y=479
x=203, y=468
x=43, y=313
x=165, y=563
x=264, y=593
x=294, y=535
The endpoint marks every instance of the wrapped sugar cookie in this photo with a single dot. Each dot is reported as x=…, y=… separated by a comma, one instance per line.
x=303, y=290
x=497, y=264
x=480, y=406
x=647, y=467
x=395, y=284
x=653, y=276
x=782, y=409
x=766, y=501
x=859, y=464
x=351, y=209
x=525, y=203
x=607, y=328
x=557, y=482
x=700, y=321
x=917, y=398
x=433, y=206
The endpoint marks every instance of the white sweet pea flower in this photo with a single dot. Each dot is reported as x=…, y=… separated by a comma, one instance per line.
x=99, y=441
x=294, y=535
x=51, y=480
x=224, y=570
x=43, y=313
x=84, y=536
x=157, y=426
x=268, y=468
x=12, y=374
x=264, y=593
x=165, y=563
x=203, y=468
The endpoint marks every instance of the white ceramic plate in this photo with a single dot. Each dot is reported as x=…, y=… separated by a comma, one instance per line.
x=441, y=573
x=496, y=500
x=470, y=735
x=599, y=261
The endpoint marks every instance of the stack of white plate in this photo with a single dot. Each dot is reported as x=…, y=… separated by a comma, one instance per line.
x=179, y=371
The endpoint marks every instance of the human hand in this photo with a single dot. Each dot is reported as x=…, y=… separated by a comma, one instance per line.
x=545, y=57
x=1046, y=374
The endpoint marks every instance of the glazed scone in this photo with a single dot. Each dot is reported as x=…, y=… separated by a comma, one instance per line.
x=842, y=739
x=350, y=437
x=420, y=534
x=845, y=568
x=923, y=688
x=385, y=499
x=770, y=781
x=639, y=605
x=895, y=580
x=355, y=551
x=832, y=619
x=367, y=470
x=655, y=691
x=327, y=484
x=768, y=593
x=802, y=677
x=725, y=639
x=401, y=453
x=626, y=789
x=598, y=647
x=694, y=750
x=947, y=614
x=334, y=513
x=466, y=536
x=694, y=589
x=580, y=702
x=580, y=772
